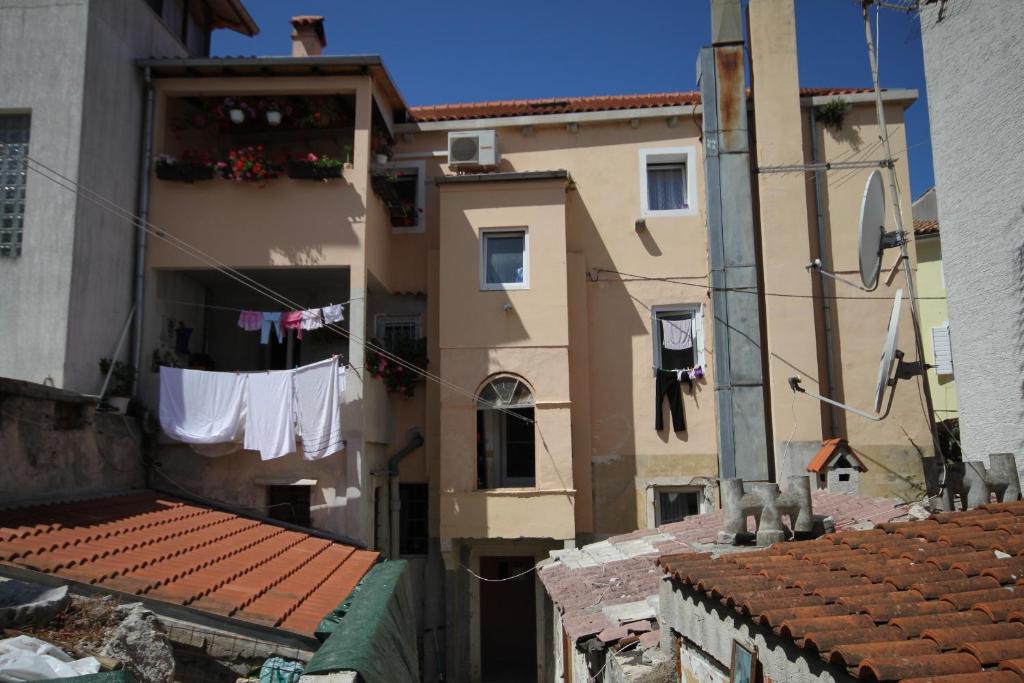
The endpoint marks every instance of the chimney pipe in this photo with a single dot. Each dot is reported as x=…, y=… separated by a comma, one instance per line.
x=308, y=37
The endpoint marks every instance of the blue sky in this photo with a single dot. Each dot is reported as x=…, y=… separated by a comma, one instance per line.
x=460, y=51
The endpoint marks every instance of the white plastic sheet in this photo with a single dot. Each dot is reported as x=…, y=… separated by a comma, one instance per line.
x=25, y=658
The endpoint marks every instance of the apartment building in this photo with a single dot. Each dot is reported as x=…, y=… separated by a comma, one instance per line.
x=548, y=262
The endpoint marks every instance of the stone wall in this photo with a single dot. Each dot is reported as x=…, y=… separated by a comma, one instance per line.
x=55, y=444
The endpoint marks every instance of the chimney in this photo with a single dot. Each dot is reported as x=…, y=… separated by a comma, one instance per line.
x=308, y=37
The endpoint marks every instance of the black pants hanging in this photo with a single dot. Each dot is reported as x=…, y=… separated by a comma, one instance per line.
x=667, y=384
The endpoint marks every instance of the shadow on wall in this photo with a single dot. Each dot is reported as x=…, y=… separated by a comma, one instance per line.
x=1011, y=228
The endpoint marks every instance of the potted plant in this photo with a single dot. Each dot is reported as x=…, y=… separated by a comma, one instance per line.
x=191, y=166
x=381, y=149
x=385, y=185
x=313, y=167
x=320, y=112
x=236, y=110
x=398, y=378
x=274, y=109
x=119, y=389
x=403, y=215
x=248, y=165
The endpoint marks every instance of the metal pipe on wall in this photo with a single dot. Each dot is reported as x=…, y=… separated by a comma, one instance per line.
x=140, y=230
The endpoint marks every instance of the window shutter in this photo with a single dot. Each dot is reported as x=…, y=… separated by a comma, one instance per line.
x=942, y=350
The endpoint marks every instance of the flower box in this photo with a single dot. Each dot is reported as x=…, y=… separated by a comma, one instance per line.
x=385, y=188
x=311, y=170
x=184, y=172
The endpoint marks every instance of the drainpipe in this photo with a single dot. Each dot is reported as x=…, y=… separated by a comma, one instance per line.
x=394, y=499
x=140, y=236
x=826, y=304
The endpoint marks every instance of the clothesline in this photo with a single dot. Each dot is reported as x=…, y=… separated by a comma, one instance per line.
x=235, y=310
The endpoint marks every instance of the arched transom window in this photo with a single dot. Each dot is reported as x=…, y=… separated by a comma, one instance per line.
x=505, y=434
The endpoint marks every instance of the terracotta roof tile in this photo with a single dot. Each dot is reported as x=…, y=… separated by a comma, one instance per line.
x=507, y=108
x=926, y=228
x=175, y=551
x=904, y=601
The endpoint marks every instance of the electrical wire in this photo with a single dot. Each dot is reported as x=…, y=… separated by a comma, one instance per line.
x=507, y=578
x=80, y=190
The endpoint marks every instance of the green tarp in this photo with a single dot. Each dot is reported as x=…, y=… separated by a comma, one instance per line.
x=122, y=676
x=374, y=631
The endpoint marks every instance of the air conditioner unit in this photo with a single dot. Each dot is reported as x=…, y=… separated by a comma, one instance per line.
x=472, y=149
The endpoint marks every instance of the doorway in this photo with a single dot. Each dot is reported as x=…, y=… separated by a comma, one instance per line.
x=508, y=620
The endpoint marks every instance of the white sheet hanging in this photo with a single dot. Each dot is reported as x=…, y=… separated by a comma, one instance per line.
x=677, y=335
x=202, y=407
x=270, y=420
x=318, y=391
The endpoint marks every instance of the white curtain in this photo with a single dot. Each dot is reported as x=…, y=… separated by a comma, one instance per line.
x=665, y=187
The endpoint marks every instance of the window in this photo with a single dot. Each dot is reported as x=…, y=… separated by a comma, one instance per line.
x=667, y=182
x=505, y=434
x=14, y=131
x=678, y=337
x=405, y=195
x=392, y=330
x=289, y=504
x=504, y=260
x=674, y=503
x=413, y=530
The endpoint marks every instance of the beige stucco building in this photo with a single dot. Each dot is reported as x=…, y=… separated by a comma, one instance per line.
x=543, y=284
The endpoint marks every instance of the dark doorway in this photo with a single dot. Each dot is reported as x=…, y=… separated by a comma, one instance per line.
x=289, y=504
x=508, y=621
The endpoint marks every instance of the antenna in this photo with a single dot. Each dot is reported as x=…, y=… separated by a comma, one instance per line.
x=886, y=378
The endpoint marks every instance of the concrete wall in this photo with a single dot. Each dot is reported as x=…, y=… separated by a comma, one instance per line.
x=42, y=68
x=54, y=441
x=972, y=66
x=934, y=312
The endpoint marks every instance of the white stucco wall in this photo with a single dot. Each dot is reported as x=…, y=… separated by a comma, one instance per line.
x=973, y=64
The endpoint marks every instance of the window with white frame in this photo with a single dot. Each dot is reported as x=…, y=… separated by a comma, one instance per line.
x=677, y=336
x=675, y=503
x=392, y=330
x=407, y=208
x=504, y=259
x=14, y=132
x=667, y=181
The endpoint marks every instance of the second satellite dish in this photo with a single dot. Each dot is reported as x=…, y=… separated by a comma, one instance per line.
x=888, y=349
x=872, y=230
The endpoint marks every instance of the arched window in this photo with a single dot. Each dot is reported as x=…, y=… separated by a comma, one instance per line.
x=505, y=434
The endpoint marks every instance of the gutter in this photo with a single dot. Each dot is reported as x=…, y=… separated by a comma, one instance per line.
x=140, y=237
x=826, y=304
x=394, y=497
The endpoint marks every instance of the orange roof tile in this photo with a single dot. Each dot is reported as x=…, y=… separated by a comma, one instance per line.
x=926, y=228
x=572, y=105
x=828, y=449
x=167, y=549
x=939, y=603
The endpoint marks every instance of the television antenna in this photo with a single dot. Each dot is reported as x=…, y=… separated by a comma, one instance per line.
x=891, y=357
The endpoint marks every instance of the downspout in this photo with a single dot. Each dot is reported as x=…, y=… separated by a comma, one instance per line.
x=826, y=304
x=394, y=498
x=142, y=210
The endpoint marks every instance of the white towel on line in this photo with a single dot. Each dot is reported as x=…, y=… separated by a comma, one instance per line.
x=270, y=423
x=202, y=407
x=677, y=335
x=318, y=391
x=311, y=319
x=333, y=314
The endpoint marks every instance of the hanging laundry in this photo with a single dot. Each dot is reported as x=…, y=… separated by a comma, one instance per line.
x=271, y=319
x=250, y=321
x=333, y=314
x=677, y=335
x=318, y=391
x=667, y=384
x=312, y=319
x=270, y=416
x=292, y=320
x=202, y=407
x=697, y=372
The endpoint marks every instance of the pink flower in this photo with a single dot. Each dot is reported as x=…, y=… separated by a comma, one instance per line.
x=311, y=157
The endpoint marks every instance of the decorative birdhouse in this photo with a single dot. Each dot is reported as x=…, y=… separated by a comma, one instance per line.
x=837, y=466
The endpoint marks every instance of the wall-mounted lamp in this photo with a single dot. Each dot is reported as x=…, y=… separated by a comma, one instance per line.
x=640, y=224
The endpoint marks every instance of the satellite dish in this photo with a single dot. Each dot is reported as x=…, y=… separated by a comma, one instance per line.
x=872, y=230
x=888, y=349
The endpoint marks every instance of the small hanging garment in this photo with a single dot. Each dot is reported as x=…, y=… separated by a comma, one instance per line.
x=250, y=321
x=312, y=319
x=271, y=319
x=677, y=335
x=270, y=420
x=318, y=391
x=333, y=314
x=292, y=320
x=202, y=407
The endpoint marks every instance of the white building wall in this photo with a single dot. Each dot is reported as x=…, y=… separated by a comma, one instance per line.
x=973, y=63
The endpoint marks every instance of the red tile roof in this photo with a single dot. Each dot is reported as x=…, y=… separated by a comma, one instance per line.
x=926, y=228
x=620, y=570
x=939, y=600
x=572, y=105
x=159, y=547
x=828, y=449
